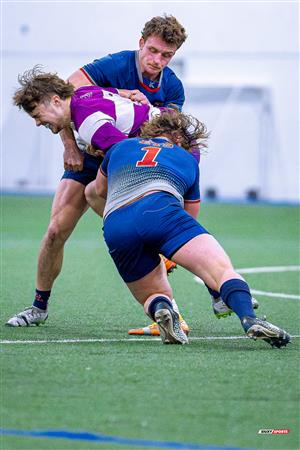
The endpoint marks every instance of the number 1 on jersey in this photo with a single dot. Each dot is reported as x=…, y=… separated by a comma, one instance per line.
x=149, y=158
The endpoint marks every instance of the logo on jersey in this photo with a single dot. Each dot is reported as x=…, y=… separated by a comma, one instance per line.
x=156, y=144
x=86, y=95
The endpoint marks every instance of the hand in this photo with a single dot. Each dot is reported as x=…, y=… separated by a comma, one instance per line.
x=73, y=158
x=135, y=95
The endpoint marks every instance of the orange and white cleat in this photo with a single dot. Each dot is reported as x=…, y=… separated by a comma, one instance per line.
x=153, y=330
x=170, y=265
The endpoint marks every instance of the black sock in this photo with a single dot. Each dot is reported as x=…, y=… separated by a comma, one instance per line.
x=41, y=299
x=214, y=294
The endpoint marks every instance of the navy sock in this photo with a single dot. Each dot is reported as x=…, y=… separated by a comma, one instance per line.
x=236, y=294
x=158, y=303
x=41, y=299
x=214, y=294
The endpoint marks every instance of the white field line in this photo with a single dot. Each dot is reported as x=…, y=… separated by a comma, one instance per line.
x=275, y=294
x=267, y=269
x=108, y=341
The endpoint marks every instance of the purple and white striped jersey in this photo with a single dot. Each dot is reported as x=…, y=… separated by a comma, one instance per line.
x=102, y=117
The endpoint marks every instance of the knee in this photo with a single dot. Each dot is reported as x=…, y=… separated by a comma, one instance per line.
x=93, y=193
x=55, y=235
x=89, y=193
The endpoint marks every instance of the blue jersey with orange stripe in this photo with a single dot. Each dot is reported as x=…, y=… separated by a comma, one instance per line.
x=137, y=166
x=120, y=70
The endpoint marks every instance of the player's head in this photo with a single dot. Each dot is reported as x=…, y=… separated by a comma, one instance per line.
x=161, y=37
x=181, y=129
x=45, y=97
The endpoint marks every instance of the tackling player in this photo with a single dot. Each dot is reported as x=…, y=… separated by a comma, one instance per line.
x=148, y=181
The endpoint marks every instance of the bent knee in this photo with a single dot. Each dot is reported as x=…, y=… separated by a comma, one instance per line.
x=57, y=233
x=89, y=192
x=92, y=192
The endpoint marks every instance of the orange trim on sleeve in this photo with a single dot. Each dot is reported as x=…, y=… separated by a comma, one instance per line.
x=87, y=76
x=104, y=174
x=192, y=201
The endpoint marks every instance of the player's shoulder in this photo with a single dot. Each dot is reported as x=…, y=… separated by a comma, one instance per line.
x=123, y=58
x=170, y=75
x=86, y=91
x=187, y=155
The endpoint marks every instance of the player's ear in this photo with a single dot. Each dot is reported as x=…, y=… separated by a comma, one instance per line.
x=141, y=43
x=56, y=100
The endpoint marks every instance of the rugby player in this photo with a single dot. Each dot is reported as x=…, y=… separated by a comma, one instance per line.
x=152, y=188
x=140, y=75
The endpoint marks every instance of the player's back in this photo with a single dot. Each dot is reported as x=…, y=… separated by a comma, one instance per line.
x=137, y=166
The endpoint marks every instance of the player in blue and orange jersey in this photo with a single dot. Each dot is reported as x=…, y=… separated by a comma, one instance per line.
x=152, y=188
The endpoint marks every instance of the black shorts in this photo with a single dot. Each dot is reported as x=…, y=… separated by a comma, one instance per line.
x=91, y=165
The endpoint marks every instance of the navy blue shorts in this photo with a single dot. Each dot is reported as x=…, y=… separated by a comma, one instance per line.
x=138, y=233
x=91, y=165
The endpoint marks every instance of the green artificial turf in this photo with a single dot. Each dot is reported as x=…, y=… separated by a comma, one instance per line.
x=211, y=392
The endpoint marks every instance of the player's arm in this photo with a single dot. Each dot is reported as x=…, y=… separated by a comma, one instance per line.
x=134, y=95
x=102, y=132
x=73, y=158
x=79, y=78
x=192, y=208
x=101, y=185
x=192, y=196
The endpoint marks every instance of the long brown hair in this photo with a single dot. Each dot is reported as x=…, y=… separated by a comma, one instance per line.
x=38, y=86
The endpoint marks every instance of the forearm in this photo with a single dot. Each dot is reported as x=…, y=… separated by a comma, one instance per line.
x=192, y=208
x=73, y=159
x=67, y=137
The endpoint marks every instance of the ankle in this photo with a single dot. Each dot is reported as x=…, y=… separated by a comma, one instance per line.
x=41, y=299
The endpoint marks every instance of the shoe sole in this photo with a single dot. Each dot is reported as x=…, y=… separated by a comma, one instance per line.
x=275, y=339
x=223, y=315
x=165, y=323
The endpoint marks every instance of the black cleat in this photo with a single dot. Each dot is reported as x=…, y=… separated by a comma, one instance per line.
x=256, y=328
x=169, y=325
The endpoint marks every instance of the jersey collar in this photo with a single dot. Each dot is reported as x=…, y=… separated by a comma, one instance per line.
x=152, y=86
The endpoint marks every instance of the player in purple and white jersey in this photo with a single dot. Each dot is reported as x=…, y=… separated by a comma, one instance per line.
x=161, y=37
x=152, y=188
x=101, y=118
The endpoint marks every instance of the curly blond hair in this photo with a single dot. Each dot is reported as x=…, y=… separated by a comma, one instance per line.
x=167, y=28
x=174, y=124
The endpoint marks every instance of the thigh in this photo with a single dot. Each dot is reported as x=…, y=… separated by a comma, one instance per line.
x=69, y=205
x=204, y=257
